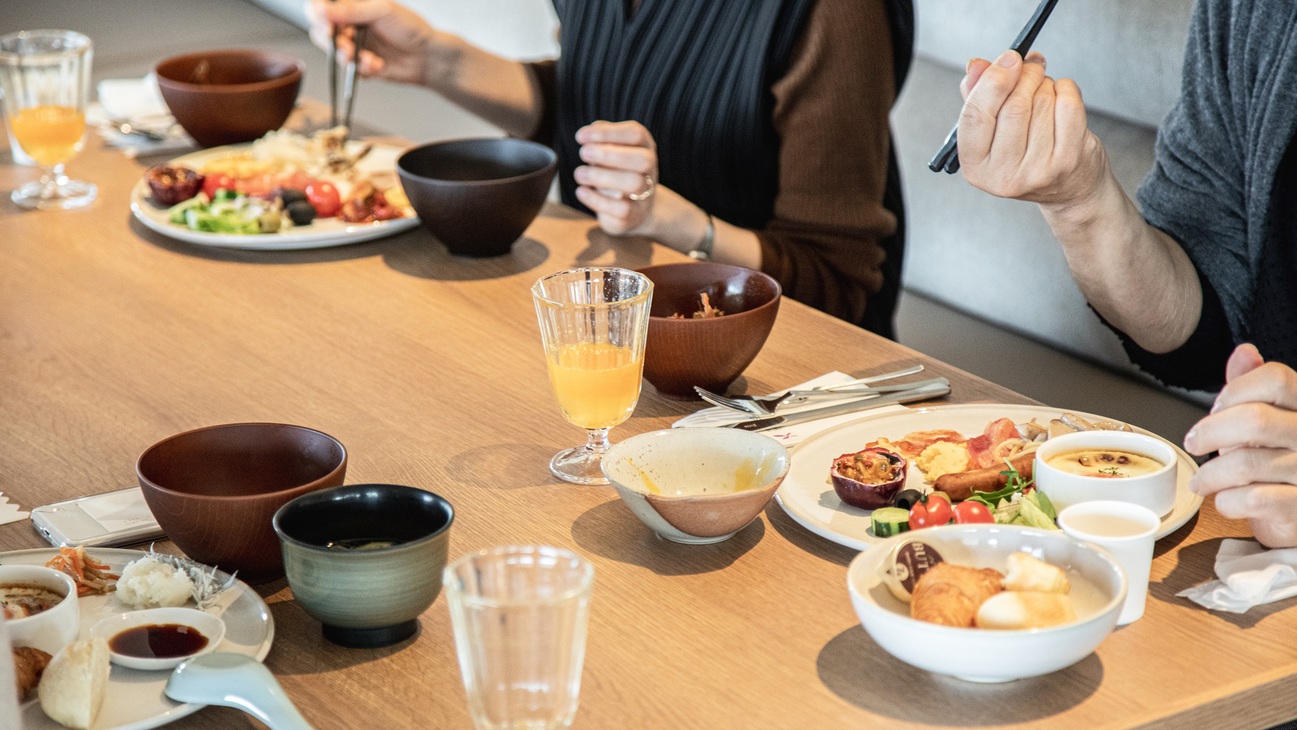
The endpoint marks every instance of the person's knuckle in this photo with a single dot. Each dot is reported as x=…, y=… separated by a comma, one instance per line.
x=1016, y=111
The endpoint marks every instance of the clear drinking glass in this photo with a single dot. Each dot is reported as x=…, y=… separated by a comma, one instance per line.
x=593, y=324
x=520, y=615
x=45, y=79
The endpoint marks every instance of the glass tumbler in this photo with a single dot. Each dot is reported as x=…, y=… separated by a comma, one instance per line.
x=520, y=614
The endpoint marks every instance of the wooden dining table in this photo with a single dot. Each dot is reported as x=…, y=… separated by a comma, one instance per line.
x=429, y=369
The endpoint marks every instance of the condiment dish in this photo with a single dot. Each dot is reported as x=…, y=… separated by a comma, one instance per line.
x=1098, y=590
x=171, y=635
x=1111, y=480
x=696, y=485
x=53, y=628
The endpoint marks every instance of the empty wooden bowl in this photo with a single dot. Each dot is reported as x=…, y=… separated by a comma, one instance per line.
x=215, y=490
x=706, y=352
x=230, y=96
x=477, y=196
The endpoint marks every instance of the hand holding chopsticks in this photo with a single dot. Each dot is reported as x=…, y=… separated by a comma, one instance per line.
x=347, y=104
x=947, y=158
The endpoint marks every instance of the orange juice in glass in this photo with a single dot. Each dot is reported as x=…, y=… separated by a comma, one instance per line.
x=44, y=80
x=593, y=325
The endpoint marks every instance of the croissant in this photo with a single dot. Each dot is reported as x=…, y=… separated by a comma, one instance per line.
x=950, y=594
x=29, y=664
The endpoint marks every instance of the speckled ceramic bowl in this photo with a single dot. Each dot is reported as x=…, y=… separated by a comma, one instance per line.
x=365, y=596
x=696, y=485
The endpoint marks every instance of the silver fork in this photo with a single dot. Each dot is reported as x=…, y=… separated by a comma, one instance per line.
x=764, y=405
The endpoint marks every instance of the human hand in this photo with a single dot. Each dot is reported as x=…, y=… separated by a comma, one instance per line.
x=1253, y=425
x=397, y=46
x=1024, y=135
x=619, y=177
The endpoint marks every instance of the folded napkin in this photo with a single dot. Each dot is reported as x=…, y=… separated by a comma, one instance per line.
x=716, y=416
x=1249, y=575
x=139, y=102
x=9, y=512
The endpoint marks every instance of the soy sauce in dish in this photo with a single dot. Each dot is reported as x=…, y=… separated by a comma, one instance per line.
x=158, y=641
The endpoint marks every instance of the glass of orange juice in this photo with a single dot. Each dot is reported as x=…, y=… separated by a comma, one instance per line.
x=593, y=325
x=44, y=79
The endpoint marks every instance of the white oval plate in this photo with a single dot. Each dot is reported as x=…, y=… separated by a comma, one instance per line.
x=322, y=233
x=135, y=699
x=201, y=622
x=808, y=497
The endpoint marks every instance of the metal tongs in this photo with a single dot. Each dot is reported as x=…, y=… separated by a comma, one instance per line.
x=947, y=158
x=353, y=73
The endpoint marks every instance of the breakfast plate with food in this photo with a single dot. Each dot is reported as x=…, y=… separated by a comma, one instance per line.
x=87, y=683
x=285, y=191
x=892, y=472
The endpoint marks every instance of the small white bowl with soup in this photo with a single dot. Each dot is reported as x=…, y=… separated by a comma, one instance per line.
x=1117, y=465
x=40, y=607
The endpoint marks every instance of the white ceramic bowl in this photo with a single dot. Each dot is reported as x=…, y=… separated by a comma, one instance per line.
x=1155, y=491
x=212, y=627
x=48, y=630
x=696, y=485
x=985, y=655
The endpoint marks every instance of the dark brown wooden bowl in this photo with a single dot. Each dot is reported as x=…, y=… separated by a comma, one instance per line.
x=239, y=96
x=709, y=353
x=477, y=196
x=215, y=490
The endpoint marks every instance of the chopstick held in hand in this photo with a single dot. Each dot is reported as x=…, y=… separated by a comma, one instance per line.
x=947, y=158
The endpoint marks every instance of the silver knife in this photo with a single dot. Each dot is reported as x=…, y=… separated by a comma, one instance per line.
x=934, y=390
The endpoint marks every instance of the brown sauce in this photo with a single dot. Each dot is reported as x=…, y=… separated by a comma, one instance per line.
x=158, y=641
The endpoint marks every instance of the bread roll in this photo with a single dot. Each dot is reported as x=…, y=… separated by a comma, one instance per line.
x=72, y=688
x=29, y=664
x=1025, y=610
x=1025, y=572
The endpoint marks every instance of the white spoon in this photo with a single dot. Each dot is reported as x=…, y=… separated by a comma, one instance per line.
x=235, y=680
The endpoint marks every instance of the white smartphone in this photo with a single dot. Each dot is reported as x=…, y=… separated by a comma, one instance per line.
x=112, y=518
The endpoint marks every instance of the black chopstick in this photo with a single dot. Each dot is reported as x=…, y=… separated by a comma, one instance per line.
x=947, y=158
x=333, y=77
x=353, y=73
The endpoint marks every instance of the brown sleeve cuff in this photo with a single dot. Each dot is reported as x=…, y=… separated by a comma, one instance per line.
x=546, y=75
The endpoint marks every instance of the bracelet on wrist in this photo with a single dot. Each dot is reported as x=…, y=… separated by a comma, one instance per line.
x=703, y=251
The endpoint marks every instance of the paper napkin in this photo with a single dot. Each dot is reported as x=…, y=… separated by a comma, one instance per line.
x=716, y=416
x=1249, y=575
x=9, y=512
x=139, y=102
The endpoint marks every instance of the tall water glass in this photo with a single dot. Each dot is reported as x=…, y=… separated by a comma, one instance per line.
x=593, y=325
x=45, y=79
x=520, y=615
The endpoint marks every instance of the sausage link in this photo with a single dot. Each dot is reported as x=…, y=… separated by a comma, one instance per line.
x=961, y=484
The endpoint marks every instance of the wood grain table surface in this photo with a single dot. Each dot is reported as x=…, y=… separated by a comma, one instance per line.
x=429, y=369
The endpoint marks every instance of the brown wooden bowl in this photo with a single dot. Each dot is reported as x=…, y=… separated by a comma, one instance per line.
x=230, y=96
x=709, y=353
x=477, y=196
x=215, y=490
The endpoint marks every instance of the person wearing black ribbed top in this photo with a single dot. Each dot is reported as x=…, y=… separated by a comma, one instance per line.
x=755, y=128
x=1199, y=279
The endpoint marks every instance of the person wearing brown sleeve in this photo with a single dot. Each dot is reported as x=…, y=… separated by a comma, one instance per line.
x=752, y=133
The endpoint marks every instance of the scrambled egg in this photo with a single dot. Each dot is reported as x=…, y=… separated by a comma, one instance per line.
x=942, y=458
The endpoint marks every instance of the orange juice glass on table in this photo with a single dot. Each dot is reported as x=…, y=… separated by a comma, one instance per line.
x=44, y=80
x=593, y=325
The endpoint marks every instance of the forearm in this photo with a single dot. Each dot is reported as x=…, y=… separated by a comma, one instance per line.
x=1136, y=276
x=681, y=225
x=501, y=91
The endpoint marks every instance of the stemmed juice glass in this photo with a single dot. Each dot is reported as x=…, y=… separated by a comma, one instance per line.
x=44, y=79
x=593, y=324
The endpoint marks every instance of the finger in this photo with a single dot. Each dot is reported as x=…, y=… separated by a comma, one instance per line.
x=621, y=181
x=1272, y=382
x=1040, y=133
x=353, y=12
x=1274, y=533
x=1245, y=466
x=1013, y=123
x=622, y=133
x=599, y=203
x=972, y=72
x=1258, y=425
x=978, y=121
x=1035, y=57
x=619, y=156
x=1244, y=359
x=1270, y=502
x=1071, y=129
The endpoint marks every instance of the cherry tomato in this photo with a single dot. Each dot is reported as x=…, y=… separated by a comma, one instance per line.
x=219, y=181
x=324, y=196
x=968, y=512
x=931, y=511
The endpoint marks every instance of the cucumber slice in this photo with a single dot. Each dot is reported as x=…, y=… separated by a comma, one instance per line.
x=888, y=521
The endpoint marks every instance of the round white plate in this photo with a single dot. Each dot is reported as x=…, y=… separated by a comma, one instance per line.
x=135, y=699
x=322, y=233
x=808, y=497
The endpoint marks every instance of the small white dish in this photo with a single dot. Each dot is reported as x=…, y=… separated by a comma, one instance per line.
x=53, y=628
x=1155, y=490
x=211, y=628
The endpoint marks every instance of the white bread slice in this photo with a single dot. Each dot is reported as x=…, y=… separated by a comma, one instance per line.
x=1026, y=572
x=1025, y=610
x=73, y=686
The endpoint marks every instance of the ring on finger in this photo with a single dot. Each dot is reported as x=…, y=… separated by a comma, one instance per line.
x=650, y=187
